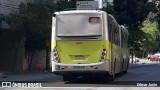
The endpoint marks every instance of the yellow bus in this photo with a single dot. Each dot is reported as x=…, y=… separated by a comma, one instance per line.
x=88, y=43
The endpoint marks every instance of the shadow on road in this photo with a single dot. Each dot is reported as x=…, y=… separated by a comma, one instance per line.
x=132, y=66
x=114, y=83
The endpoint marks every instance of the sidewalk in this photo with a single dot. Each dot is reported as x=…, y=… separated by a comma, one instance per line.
x=146, y=61
x=2, y=73
x=30, y=76
x=142, y=62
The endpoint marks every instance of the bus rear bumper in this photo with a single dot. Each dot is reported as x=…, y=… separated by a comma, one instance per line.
x=100, y=67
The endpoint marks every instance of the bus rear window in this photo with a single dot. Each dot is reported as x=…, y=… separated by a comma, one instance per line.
x=94, y=19
x=81, y=24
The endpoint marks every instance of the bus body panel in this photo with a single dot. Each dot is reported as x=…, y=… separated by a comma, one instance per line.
x=67, y=51
x=73, y=52
x=95, y=67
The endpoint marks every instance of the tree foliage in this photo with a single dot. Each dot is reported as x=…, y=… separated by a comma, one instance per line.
x=64, y=5
x=33, y=21
x=132, y=13
x=150, y=28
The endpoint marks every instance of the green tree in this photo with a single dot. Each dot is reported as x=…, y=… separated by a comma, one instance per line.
x=61, y=5
x=132, y=13
x=150, y=28
x=33, y=21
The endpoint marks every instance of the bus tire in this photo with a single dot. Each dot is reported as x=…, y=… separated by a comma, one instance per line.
x=121, y=72
x=125, y=72
x=112, y=77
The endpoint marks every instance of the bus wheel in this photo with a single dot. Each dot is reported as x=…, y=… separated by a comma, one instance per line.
x=121, y=72
x=112, y=77
x=125, y=72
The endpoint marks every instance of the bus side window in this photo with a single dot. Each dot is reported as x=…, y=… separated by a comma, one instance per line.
x=112, y=32
x=114, y=38
x=118, y=42
x=126, y=41
x=123, y=40
x=109, y=31
x=116, y=35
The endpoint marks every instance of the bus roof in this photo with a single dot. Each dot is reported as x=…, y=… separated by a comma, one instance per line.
x=79, y=11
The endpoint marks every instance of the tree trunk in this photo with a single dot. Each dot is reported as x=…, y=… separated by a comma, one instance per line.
x=14, y=61
x=30, y=64
x=143, y=52
x=28, y=59
x=132, y=57
x=47, y=58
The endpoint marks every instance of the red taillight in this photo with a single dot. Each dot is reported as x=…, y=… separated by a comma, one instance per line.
x=55, y=55
x=103, y=53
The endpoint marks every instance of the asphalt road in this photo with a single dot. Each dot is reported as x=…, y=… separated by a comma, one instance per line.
x=138, y=75
x=142, y=73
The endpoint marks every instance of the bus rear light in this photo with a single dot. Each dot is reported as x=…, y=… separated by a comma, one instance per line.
x=102, y=58
x=55, y=55
x=103, y=55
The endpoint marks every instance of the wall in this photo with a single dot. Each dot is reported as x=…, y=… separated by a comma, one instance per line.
x=12, y=58
x=39, y=60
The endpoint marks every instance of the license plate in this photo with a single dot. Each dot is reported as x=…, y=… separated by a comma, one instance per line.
x=79, y=67
x=79, y=57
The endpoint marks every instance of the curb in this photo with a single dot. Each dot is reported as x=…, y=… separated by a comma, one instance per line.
x=2, y=74
x=141, y=65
